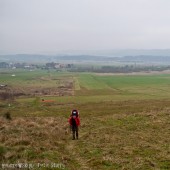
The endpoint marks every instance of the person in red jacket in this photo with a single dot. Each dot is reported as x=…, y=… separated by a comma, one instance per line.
x=74, y=122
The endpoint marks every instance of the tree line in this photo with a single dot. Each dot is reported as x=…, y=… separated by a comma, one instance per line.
x=119, y=69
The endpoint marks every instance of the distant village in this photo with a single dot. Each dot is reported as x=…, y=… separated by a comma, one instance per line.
x=126, y=68
x=51, y=65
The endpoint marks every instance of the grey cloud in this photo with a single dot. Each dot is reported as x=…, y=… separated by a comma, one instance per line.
x=36, y=26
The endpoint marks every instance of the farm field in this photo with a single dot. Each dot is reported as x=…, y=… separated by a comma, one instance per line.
x=125, y=120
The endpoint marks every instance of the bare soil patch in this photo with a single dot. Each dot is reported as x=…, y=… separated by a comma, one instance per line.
x=63, y=88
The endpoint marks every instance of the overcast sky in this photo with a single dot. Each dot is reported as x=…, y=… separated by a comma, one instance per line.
x=48, y=26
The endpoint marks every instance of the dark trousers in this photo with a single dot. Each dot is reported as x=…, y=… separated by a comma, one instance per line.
x=75, y=131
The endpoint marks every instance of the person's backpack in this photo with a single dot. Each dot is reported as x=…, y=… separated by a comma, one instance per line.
x=74, y=114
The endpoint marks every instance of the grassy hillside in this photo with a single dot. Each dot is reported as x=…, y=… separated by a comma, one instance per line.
x=147, y=86
x=124, y=122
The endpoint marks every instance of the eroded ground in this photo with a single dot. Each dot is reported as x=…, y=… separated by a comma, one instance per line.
x=47, y=87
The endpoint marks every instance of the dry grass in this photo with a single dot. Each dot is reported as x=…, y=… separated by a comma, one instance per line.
x=113, y=135
x=29, y=138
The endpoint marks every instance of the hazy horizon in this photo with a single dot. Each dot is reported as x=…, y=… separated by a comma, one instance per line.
x=54, y=26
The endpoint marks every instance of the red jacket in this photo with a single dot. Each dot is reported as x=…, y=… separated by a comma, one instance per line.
x=77, y=119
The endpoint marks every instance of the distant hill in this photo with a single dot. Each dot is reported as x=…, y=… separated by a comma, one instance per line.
x=30, y=58
x=134, y=52
x=144, y=56
x=118, y=52
x=144, y=59
x=25, y=58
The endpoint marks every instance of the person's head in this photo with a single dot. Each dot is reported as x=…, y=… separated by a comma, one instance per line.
x=74, y=113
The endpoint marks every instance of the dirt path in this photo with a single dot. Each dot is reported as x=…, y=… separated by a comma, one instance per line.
x=72, y=148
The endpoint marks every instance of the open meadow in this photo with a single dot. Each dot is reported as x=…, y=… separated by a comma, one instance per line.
x=125, y=120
